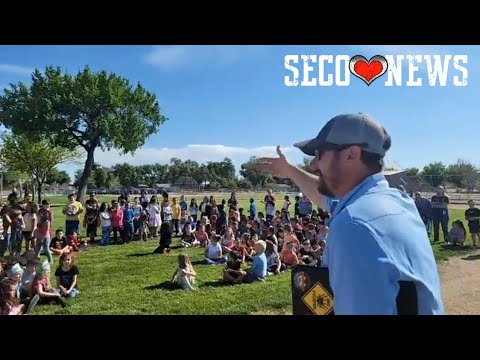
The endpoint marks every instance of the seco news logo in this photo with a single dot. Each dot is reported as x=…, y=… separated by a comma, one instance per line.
x=389, y=70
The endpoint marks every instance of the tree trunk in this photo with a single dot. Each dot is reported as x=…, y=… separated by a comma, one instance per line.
x=87, y=172
x=39, y=192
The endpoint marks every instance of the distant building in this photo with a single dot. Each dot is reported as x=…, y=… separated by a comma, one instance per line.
x=61, y=189
x=400, y=177
x=186, y=183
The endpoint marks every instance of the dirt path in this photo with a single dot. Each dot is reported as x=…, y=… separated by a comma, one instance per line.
x=460, y=278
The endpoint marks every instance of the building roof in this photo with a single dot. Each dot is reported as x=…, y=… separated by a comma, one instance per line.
x=392, y=172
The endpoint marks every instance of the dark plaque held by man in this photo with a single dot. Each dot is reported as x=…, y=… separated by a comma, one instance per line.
x=311, y=292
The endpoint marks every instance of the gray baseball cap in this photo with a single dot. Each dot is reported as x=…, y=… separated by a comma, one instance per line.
x=349, y=129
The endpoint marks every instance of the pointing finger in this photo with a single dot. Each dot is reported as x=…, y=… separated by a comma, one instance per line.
x=279, y=152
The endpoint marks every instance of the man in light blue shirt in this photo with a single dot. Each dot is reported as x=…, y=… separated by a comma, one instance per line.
x=378, y=254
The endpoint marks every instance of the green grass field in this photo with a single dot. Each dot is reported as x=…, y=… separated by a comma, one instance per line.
x=129, y=279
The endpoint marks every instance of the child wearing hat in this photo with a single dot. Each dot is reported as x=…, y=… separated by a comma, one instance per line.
x=14, y=275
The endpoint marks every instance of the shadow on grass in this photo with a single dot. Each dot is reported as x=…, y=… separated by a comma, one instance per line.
x=152, y=253
x=456, y=248
x=169, y=286
x=472, y=257
x=141, y=254
x=217, y=283
x=199, y=262
x=166, y=285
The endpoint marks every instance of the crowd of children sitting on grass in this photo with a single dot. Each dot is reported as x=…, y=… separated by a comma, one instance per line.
x=25, y=280
x=250, y=245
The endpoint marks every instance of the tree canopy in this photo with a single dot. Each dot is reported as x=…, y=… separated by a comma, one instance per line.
x=88, y=110
x=36, y=159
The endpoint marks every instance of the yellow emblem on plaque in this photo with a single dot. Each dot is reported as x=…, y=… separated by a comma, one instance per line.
x=318, y=300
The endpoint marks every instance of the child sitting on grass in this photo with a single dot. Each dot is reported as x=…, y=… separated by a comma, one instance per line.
x=166, y=234
x=59, y=245
x=457, y=233
x=239, y=250
x=258, y=271
x=228, y=240
x=73, y=241
x=41, y=286
x=201, y=236
x=273, y=259
x=67, y=274
x=188, y=236
x=233, y=269
x=28, y=277
x=184, y=275
x=213, y=251
x=9, y=302
x=288, y=256
x=249, y=245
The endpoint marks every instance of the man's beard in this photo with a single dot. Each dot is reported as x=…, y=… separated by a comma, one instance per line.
x=323, y=188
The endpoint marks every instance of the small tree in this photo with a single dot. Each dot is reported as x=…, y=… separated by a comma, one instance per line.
x=35, y=158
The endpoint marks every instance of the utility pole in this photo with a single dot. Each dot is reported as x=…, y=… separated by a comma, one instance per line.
x=1, y=185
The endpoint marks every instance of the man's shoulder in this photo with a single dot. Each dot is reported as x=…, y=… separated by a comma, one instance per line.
x=374, y=215
x=380, y=204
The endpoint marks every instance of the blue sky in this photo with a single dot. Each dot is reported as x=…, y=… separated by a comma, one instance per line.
x=232, y=100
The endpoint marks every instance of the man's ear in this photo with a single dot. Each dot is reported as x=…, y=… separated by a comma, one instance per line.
x=353, y=153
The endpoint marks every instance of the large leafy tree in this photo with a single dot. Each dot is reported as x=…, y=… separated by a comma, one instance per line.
x=88, y=110
x=58, y=177
x=127, y=175
x=463, y=174
x=434, y=173
x=249, y=172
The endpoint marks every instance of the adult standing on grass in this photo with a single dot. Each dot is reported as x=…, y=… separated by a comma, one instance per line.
x=378, y=254
x=72, y=211
x=13, y=197
x=424, y=207
x=440, y=216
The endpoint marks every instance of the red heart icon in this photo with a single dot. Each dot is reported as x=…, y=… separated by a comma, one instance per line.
x=368, y=70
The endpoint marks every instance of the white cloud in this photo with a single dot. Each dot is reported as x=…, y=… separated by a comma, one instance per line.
x=199, y=153
x=15, y=69
x=177, y=56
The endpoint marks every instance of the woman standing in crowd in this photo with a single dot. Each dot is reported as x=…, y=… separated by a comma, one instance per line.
x=193, y=209
x=233, y=200
x=154, y=216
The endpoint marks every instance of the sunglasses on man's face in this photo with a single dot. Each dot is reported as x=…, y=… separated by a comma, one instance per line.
x=332, y=147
